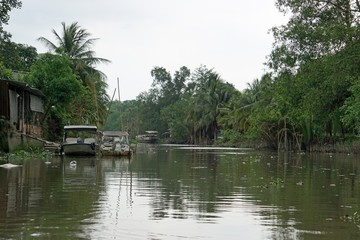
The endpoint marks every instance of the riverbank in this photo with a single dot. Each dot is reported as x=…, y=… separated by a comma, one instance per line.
x=342, y=146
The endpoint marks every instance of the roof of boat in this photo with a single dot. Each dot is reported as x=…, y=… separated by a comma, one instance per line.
x=80, y=127
x=151, y=132
x=115, y=133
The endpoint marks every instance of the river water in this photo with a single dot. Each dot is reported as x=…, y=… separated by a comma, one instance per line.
x=183, y=192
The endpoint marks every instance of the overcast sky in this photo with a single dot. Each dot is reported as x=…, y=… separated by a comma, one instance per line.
x=230, y=36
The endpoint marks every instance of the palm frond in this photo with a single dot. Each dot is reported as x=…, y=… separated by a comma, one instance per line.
x=52, y=47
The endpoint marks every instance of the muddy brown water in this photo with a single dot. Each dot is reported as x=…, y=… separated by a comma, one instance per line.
x=183, y=192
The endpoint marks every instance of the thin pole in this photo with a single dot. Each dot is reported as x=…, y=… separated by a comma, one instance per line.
x=107, y=114
x=121, y=122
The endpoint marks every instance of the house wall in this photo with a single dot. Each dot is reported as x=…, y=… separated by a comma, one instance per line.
x=16, y=140
x=22, y=108
x=33, y=130
x=4, y=141
x=14, y=109
x=4, y=100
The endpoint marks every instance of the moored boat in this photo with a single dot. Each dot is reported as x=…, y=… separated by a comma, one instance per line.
x=79, y=140
x=115, y=143
x=148, y=137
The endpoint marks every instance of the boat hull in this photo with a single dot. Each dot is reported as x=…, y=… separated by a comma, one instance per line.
x=80, y=149
x=148, y=137
x=124, y=150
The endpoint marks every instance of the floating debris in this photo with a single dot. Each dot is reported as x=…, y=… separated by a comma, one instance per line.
x=9, y=165
x=299, y=183
x=73, y=164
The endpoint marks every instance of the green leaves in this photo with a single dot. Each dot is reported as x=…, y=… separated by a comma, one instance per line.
x=75, y=43
x=53, y=72
x=315, y=29
x=53, y=75
x=17, y=57
x=5, y=7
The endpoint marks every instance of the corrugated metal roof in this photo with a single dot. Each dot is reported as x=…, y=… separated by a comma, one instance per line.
x=25, y=86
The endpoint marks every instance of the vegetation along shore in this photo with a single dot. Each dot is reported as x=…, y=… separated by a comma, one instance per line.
x=308, y=100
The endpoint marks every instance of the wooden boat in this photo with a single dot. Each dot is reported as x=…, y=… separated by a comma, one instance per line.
x=115, y=143
x=79, y=140
x=148, y=137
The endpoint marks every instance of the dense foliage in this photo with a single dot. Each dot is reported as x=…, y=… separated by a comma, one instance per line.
x=10, y=52
x=75, y=91
x=5, y=7
x=183, y=108
x=53, y=75
x=309, y=97
x=75, y=43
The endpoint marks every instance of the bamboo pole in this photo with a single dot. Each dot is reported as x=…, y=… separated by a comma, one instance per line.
x=107, y=114
x=121, y=122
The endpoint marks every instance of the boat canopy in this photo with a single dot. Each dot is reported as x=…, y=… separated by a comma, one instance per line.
x=115, y=133
x=151, y=132
x=80, y=128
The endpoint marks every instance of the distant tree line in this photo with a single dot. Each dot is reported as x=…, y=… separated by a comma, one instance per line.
x=309, y=96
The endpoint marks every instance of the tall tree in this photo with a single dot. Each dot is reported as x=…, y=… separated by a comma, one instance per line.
x=315, y=28
x=5, y=7
x=170, y=88
x=17, y=57
x=52, y=74
x=75, y=42
x=210, y=95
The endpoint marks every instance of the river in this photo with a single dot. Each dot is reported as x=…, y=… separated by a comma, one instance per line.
x=183, y=192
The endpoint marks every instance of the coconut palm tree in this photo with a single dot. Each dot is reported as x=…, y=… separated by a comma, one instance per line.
x=212, y=95
x=75, y=42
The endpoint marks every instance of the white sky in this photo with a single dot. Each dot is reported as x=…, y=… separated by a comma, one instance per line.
x=230, y=36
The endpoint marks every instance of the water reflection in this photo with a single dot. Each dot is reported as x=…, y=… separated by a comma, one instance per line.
x=182, y=192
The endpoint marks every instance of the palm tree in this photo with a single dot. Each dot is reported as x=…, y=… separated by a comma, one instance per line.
x=75, y=43
x=212, y=95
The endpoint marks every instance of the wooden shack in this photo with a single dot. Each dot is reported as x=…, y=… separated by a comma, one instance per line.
x=21, y=113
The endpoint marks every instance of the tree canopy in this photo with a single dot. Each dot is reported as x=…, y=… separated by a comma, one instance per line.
x=5, y=7
x=309, y=96
x=75, y=43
